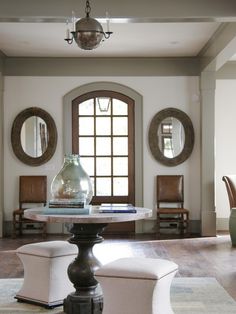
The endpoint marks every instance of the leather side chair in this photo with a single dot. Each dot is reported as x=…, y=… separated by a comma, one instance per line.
x=32, y=190
x=230, y=183
x=171, y=213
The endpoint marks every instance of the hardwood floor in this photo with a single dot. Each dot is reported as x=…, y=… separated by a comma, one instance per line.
x=196, y=257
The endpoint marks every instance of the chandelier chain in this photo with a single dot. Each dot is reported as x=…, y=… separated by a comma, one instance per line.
x=87, y=8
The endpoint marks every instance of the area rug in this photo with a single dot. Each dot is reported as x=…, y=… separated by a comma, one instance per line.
x=188, y=296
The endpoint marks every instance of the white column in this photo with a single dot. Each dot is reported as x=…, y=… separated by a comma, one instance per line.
x=208, y=214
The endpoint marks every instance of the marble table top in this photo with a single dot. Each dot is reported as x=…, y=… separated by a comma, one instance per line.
x=94, y=216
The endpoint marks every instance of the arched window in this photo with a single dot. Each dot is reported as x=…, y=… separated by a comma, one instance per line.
x=75, y=104
x=103, y=136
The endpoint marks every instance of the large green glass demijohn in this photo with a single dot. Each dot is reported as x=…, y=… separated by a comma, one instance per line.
x=72, y=185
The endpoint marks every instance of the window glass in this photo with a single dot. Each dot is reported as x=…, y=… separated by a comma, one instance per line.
x=103, y=126
x=120, y=126
x=86, y=108
x=120, y=186
x=86, y=126
x=88, y=165
x=103, y=166
x=120, y=146
x=120, y=166
x=103, y=186
x=86, y=146
x=120, y=108
x=103, y=146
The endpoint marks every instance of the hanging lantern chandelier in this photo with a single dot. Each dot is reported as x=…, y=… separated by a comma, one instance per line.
x=87, y=32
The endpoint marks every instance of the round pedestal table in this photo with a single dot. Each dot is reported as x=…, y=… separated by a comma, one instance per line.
x=86, y=229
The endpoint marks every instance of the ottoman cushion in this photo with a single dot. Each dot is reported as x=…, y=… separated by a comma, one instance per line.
x=136, y=268
x=48, y=249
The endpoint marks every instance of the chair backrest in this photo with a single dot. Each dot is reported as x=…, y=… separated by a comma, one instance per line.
x=170, y=189
x=230, y=182
x=32, y=189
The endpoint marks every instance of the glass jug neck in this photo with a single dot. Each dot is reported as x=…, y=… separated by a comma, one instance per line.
x=72, y=158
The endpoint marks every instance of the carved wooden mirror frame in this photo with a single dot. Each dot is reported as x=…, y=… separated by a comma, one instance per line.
x=16, y=136
x=153, y=137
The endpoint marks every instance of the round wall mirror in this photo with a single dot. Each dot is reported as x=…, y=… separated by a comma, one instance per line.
x=171, y=136
x=34, y=136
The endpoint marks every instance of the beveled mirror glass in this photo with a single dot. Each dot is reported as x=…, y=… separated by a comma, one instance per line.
x=34, y=136
x=171, y=136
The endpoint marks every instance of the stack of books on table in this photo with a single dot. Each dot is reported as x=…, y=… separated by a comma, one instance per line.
x=66, y=203
x=65, y=207
x=117, y=208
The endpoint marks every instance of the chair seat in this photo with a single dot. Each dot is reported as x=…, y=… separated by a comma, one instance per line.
x=21, y=218
x=20, y=212
x=172, y=211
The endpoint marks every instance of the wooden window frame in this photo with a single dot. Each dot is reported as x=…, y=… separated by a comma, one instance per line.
x=130, y=198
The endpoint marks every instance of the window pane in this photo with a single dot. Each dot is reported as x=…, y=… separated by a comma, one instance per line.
x=103, y=146
x=120, y=108
x=86, y=126
x=103, y=126
x=120, y=146
x=120, y=186
x=103, y=106
x=120, y=126
x=120, y=166
x=86, y=107
x=103, y=166
x=86, y=146
x=103, y=186
x=88, y=165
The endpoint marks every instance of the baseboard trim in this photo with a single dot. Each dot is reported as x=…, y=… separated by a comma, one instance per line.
x=222, y=224
x=149, y=226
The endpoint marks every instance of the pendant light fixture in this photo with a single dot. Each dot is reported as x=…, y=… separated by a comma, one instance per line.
x=87, y=32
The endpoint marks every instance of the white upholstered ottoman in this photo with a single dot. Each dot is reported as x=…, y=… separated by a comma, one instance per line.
x=45, y=272
x=137, y=286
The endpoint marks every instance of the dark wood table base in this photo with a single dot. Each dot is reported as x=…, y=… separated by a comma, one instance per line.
x=87, y=298
x=84, y=304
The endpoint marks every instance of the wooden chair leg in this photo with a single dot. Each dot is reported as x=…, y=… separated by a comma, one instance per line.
x=158, y=225
x=187, y=224
x=182, y=224
x=14, y=226
x=44, y=234
x=20, y=225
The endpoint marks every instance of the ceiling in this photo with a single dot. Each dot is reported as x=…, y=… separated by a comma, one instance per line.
x=154, y=28
x=128, y=40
